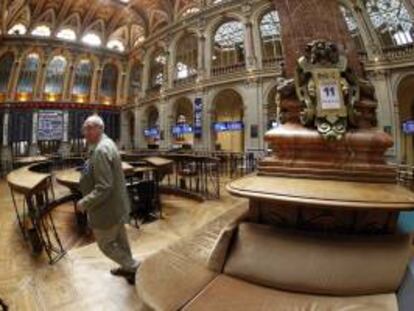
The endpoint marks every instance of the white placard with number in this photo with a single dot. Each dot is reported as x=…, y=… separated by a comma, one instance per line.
x=329, y=95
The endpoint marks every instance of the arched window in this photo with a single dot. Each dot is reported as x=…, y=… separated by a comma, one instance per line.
x=157, y=70
x=55, y=75
x=352, y=26
x=391, y=20
x=116, y=45
x=270, y=36
x=228, y=48
x=66, y=34
x=186, y=58
x=28, y=74
x=6, y=65
x=42, y=31
x=190, y=11
x=18, y=29
x=83, y=78
x=135, y=80
x=92, y=39
x=109, y=81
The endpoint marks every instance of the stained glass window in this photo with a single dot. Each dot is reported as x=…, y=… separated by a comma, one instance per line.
x=83, y=78
x=352, y=27
x=42, y=31
x=229, y=35
x=135, y=80
x=228, y=49
x=270, y=34
x=55, y=75
x=116, y=45
x=391, y=20
x=109, y=80
x=18, y=29
x=67, y=34
x=157, y=69
x=6, y=65
x=186, y=57
x=28, y=74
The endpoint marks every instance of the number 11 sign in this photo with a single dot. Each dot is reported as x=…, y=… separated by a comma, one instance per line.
x=329, y=95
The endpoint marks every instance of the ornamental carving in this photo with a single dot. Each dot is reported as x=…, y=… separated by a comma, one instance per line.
x=327, y=90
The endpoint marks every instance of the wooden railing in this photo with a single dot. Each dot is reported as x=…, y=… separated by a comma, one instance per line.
x=218, y=71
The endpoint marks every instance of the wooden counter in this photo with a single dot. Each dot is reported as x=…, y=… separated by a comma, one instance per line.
x=324, y=193
x=24, y=181
x=30, y=160
x=70, y=177
x=158, y=161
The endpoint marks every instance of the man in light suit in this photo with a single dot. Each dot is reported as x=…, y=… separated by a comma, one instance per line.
x=105, y=198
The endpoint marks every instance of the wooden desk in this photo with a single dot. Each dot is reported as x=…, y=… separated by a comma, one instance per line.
x=24, y=181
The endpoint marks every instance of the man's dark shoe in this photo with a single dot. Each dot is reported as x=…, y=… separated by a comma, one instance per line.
x=120, y=272
x=131, y=278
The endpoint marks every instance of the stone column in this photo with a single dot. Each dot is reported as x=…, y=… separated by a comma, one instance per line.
x=40, y=80
x=307, y=20
x=387, y=113
x=65, y=147
x=139, y=139
x=14, y=78
x=125, y=135
x=6, y=153
x=95, y=85
x=249, y=47
x=34, y=148
x=164, y=124
x=68, y=83
x=145, y=75
x=201, y=57
x=170, y=64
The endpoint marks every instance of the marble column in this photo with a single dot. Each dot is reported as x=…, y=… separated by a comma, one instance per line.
x=6, y=153
x=249, y=47
x=201, y=57
x=65, y=147
x=34, y=148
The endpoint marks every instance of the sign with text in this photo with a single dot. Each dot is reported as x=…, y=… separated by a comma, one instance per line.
x=50, y=125
x=329, y=95
x=198, y=117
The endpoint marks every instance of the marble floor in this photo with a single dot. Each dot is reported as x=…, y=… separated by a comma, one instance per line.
x=81, y=280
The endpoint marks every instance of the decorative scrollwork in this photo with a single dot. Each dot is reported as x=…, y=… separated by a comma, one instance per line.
x=327, y=89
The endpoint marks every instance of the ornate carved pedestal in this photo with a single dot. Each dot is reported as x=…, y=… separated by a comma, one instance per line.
x=328, y=170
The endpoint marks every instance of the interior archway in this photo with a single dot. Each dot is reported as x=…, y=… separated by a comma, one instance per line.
x=228, y=126
x=405, y=97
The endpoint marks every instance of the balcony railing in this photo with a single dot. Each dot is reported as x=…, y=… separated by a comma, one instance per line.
x=184, y=81
x=218, y=71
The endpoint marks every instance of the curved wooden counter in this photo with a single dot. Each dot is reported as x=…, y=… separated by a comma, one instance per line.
x=324, y=193
x=70, y=177
x=25, y=181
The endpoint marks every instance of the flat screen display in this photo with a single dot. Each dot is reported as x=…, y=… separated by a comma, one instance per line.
x=230, y=126
x=408, y=127
x=181, y=129
x=152, y=133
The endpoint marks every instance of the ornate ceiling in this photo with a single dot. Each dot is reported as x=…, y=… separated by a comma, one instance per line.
x=123, y=19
